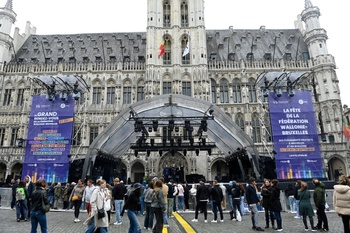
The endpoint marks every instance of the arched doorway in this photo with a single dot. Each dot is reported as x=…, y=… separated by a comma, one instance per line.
x=336, y=168
x=220, y=171
x=16, y=171
x=173, y=166
x=120, y=172
x=2, y=171
x=137, y=172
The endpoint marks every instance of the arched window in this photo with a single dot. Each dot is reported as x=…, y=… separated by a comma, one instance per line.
x=236, y=91
x=185, y=55
x=166, y=14
x=140, y=90
x=240, y=121
x=110, y=95
x=167, y=88
x=127, y=92
x=252, y=91
x=167, y=51
x=184, y=14
x=213, y=91
x=256, y=129
x=96, y=95
x=186, y=88
x=223, y=91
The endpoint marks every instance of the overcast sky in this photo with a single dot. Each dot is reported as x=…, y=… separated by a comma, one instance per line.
x=89, y=16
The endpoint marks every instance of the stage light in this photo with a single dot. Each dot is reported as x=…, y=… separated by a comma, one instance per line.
x=197, y=152
x=185, y=152
x=148, y=153
x=278, y=92
x=171, y=125
x=152, y=141
x=290, y=88
x=160, y=153
x=136, y=153
x=63, y=96
x=179, y=141
x=265, y=92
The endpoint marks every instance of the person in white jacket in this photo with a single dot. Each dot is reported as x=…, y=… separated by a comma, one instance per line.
x=341, y=201
x=224, y=191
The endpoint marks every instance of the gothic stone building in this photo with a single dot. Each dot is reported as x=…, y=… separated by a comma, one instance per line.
x=124, y=69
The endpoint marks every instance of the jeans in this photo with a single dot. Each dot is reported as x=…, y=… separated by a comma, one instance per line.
x=134, y=222
x=51, y=198
x=170, y=207
x=165, y=215
x=55, y=204
x=142, y=203
x=13, y=202
x=269, y=215
x=255, y=215
x=242, y=206
x=91, y=227
x=148, y=223
x=37, y=216
x=291, y=200
x=180, y=200
x=230, y=201
x=297, y=208
x=22, y=209
x=278, y=219
x=118, y=209
x=217, y=206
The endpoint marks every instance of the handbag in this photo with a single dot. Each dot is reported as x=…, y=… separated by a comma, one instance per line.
x=75, y=198
x=101, y=212
x=44, y=207
x=238, y=215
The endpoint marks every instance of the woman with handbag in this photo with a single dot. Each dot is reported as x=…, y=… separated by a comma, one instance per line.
x=98, y=218
x=40, y=204
x=76, y=198
x=305, y=207
x=133, y=205
x=341, y=199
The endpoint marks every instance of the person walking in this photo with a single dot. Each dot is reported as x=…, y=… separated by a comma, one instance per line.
x=297, y=199
x=224, y=191
x=170, y=198
x=51, y=194
x=320, y=202
x=252, y=201
x=217, y=197
x=289, y=193
x=148, y=223
x=21, y=202
x=133, y=205
x=236, y=200
x=165, y=191
x=118, y=194
x=76, y=198
x=305, y=208
x=266, y=195
x=341, y=201
x=38, y=197
x=202, y=198
x=57, y=195
x=275, y=204
x=97, y=202
x=108, y=201
x=158, y=205
x=87, y=195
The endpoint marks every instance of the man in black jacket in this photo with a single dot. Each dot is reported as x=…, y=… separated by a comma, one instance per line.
x=252, y=201
x=202, y=197
x=217, y=197
x=118, y=193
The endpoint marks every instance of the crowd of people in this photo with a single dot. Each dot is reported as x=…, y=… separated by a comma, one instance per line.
x=157, y=200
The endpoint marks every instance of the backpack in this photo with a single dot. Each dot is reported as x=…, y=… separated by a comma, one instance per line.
x=19, y=195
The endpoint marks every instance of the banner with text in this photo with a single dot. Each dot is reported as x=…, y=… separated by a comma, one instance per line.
x=295, y=136
x=49, y=139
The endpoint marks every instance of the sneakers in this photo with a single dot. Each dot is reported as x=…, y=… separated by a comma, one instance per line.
x=233, y=219
x=76, y=220
x=25, y=220
x=18, y=220
x=279, y=229
x=259, y=229
x=214, y=221
x=117, y=223
x=221, y=220
x=306, y=229
x=297, y=217
x=194, y=220
x=314, y=229
x=205, y=221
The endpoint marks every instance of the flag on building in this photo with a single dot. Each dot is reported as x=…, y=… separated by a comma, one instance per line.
x=346, y=128
x=162, y=49
x=187, y=49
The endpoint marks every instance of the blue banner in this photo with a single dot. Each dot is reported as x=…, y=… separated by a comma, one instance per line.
x=295, y=136
x=49, y=139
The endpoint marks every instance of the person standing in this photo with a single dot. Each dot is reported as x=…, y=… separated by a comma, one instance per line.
x=275, y=203
x=14, y=187
x=297, y=199
x=87, y=195
x=38, y=197
x=57, y=195
x=76, y=198
x=180, y=197
x=217, y=197
x=148, y=223
x=65, y=197
x=193, y=192
x=97, y=201
x=320, y=202
x=236, y=200
x=51, y=194
x=30, y=189
x=266, y=195
x=224, y=191
x=252, y=200
x=108, y=201
x=118, y=193
x=170, y=198
x=202, y=198
x=158, y=205
x=21, y=202
x=305, y=208
x=165, y=191
x=341, y=201
x=243, y=209
x=289, y=192
x=133, y=206
x=186, y=196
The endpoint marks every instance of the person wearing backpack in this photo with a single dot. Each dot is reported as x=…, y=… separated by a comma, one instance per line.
x=236, y=200
x=21, y=202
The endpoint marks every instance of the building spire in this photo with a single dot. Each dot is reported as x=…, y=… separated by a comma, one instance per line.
x=9, y=5
x=308, y=4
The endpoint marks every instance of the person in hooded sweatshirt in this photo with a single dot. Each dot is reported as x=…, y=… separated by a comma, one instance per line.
x=275, y=203
x=320, y=202
x=236, y=199
x=341, y=201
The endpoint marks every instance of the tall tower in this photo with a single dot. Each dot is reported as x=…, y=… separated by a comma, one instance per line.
x=7, y=19
x=325, y=81
x=177, y=23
